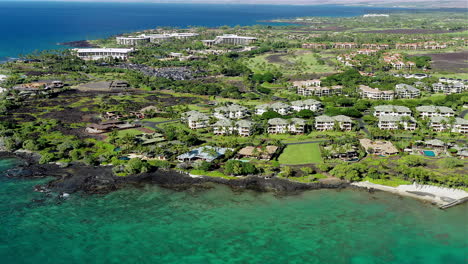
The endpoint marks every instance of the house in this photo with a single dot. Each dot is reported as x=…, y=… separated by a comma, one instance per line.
x=102, y=53
x=320, y=91
x=375, y=94
x=435, y=144
x=263, y=153
x=426, y=111
x=119, y=85
x=207, y=153
x=310, y=104
x=233, y=111
x=391, y=110
x=346, y=152
x=196, y=119
x=282, y=126
x=389, y=122
x=279, y=107
x=378, y=147
x=406, y=91
x=325, y=122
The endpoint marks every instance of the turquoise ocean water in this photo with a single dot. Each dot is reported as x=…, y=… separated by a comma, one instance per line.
x=155, y=225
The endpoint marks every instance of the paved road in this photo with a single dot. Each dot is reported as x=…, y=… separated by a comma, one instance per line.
x=362, y=126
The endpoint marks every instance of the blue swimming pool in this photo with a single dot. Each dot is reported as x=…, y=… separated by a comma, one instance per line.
x=429, y=153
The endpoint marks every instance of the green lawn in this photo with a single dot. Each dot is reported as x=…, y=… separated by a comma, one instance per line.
x=131, y=132
x=301, y=154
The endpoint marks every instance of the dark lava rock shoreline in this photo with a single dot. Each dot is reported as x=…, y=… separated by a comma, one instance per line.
x=100, y=180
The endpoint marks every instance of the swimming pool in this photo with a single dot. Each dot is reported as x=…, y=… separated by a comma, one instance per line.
x=429, y=153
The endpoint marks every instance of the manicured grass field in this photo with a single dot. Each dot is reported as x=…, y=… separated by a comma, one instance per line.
x=131, y=132
x=301, y=154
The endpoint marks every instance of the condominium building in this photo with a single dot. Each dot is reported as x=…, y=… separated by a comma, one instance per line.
x=449, y=88
x=232, y=111
x=325, y=122
x=407, y=91
x=309, y=104
x=391, y=110
x=230, y=39
x=431, y=111
x=102, y=53
x=375, y=46
x=158, y=38
x=375, y=94
x=314, y=46
x=282, y=126
x=281, y=108
x=223, y=127
x=244, y=127
x=320, y=91
x=307, y=83
x=345, y=45
x=196, y=120
x=389, y=122
x=457, y=125
x=367, y=51
x=132, y=41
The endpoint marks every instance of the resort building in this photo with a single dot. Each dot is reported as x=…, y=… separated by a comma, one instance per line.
x=132, y=41
x=223, y=127
x=345, y=45
x=375, y=94
x=389, y=122
x=207, y=153
x=449, y=88
x=375, y=46
x=310, y=104
x=280, y=108
x=227, y=127
x=325, y=122
x=314, y=46
x=282, y=126
x=367, y=52
x=232, y=111
x=230, y=39
x=391, y=110
x=158, y=38
x=457, y=125
x=320, y=91
x=244, y=128
x=426, y=111
x=307, y=83
x=378, y=147
x=104, y=53
x=407, y=91
x=196, y=120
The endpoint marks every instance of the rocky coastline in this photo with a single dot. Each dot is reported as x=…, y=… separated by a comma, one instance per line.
x=77, y=177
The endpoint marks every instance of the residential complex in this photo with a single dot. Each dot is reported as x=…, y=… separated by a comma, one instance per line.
x=407, y=91
x=230, y=39
x=390, y=122
x=102, y=53
x=391, y=110
x=232, y=111
x=375, y=94
x=426, y=111
x=132, y=41
x=282, y=126
x=325, y=122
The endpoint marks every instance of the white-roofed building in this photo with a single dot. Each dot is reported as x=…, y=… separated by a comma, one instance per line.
x=102, y=53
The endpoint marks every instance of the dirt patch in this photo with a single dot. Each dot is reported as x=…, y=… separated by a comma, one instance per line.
x=145, y=130
x=409, y=31
x=449, y=62
x=278, y=58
